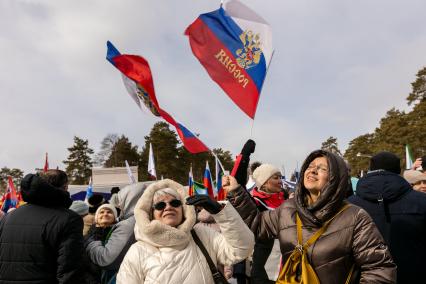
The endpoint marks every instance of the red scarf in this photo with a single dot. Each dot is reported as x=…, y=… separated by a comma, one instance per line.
x=268, y=200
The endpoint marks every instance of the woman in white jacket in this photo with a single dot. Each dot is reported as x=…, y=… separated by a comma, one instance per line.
x=165, y=251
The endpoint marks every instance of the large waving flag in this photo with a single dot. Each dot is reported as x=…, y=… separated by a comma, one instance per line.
x=207, y=181
x=138, y=80
x=235, y=47
x=10, y=199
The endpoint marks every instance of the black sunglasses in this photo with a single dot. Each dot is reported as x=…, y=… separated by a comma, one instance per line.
x=162, y=204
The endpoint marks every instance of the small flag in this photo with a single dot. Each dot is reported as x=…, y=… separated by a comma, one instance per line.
x=236, y=165
x=199, y=188
x=207, y=180
x=89, y=191
x=129, y=173
x=408, y=157
x=139, y=83
x=46, y=164
x=191, y=190
x=220, y=192
x=234, y=45
x=10, y=199
x=151, y=164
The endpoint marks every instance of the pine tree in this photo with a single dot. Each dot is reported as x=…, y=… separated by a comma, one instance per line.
x=121, y=151
x=79, y=164
x=331, y=145
x=166, y=154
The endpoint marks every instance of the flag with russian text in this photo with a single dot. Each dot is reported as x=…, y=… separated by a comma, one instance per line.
x=234, y=44
x=10, y=199
x=138, y=80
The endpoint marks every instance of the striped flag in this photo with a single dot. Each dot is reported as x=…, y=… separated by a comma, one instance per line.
x=191, y=191
x=129, y=173
x=234, y=45
x=10, y=199
x=207, y=180
x=220, y=192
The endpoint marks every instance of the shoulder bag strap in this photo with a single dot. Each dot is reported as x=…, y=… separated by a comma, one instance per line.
x=197, y=240
x=318, y=233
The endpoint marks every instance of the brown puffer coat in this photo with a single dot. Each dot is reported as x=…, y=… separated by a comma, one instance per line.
x=352, y=237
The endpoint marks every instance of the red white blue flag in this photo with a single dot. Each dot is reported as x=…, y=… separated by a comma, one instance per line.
x=207, y=181
x=138, y=80
x=10, y=199
x=234, y=45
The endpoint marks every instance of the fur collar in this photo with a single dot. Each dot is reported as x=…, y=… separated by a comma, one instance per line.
x=156, y=233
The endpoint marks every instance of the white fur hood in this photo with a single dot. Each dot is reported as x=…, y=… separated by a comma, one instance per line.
x=156, y=233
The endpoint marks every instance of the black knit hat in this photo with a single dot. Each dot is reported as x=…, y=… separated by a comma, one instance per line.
x=386, y=161
x=95, y=201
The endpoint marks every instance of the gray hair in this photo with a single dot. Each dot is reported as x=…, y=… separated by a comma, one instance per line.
x=165, y=191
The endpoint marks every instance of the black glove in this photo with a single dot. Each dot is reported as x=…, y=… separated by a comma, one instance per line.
x=248, y=148
x=210, y=205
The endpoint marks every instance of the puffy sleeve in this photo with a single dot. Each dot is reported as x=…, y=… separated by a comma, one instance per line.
x=265, y=225
x=104, y=255
x=370, y=252
x=131, y=271
x=235, y=242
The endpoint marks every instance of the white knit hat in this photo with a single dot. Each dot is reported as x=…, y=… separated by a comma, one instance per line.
x=109, y=206
x=262, y=173
x=80, y=207
x=413, y=176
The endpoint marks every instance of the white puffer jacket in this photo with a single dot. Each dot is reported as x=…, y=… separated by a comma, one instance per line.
x=166, y=255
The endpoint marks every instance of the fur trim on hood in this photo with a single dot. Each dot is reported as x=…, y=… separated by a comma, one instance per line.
x=156, y=233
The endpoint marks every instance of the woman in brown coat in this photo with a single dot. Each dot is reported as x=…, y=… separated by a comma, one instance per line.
x=351, y=237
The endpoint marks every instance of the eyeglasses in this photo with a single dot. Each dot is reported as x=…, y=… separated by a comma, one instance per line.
x=162, y=204
x=319, y=168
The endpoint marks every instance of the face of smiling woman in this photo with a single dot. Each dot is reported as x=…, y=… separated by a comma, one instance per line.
x=316, y=177
x=170, y=215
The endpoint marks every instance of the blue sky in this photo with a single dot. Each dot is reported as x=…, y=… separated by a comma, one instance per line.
x=338, y=67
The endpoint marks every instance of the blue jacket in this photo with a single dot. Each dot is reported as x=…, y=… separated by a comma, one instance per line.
x=400, y=215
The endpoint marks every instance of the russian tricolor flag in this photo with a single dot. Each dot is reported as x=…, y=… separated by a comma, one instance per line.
x=207, y=181
x=138, y=80
x=235, y=47
x=10, y=198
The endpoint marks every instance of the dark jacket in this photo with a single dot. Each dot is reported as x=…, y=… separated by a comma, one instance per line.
x=351, y=238
x=400, y=215
x=41, y=242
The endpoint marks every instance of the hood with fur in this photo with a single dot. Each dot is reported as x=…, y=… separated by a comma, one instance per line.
x=156, y=233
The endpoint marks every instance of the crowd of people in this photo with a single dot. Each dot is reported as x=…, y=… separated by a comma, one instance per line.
x=153, y=232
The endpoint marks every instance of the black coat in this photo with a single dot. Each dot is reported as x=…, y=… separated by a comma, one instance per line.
x=41, y=243
x=400, y=215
